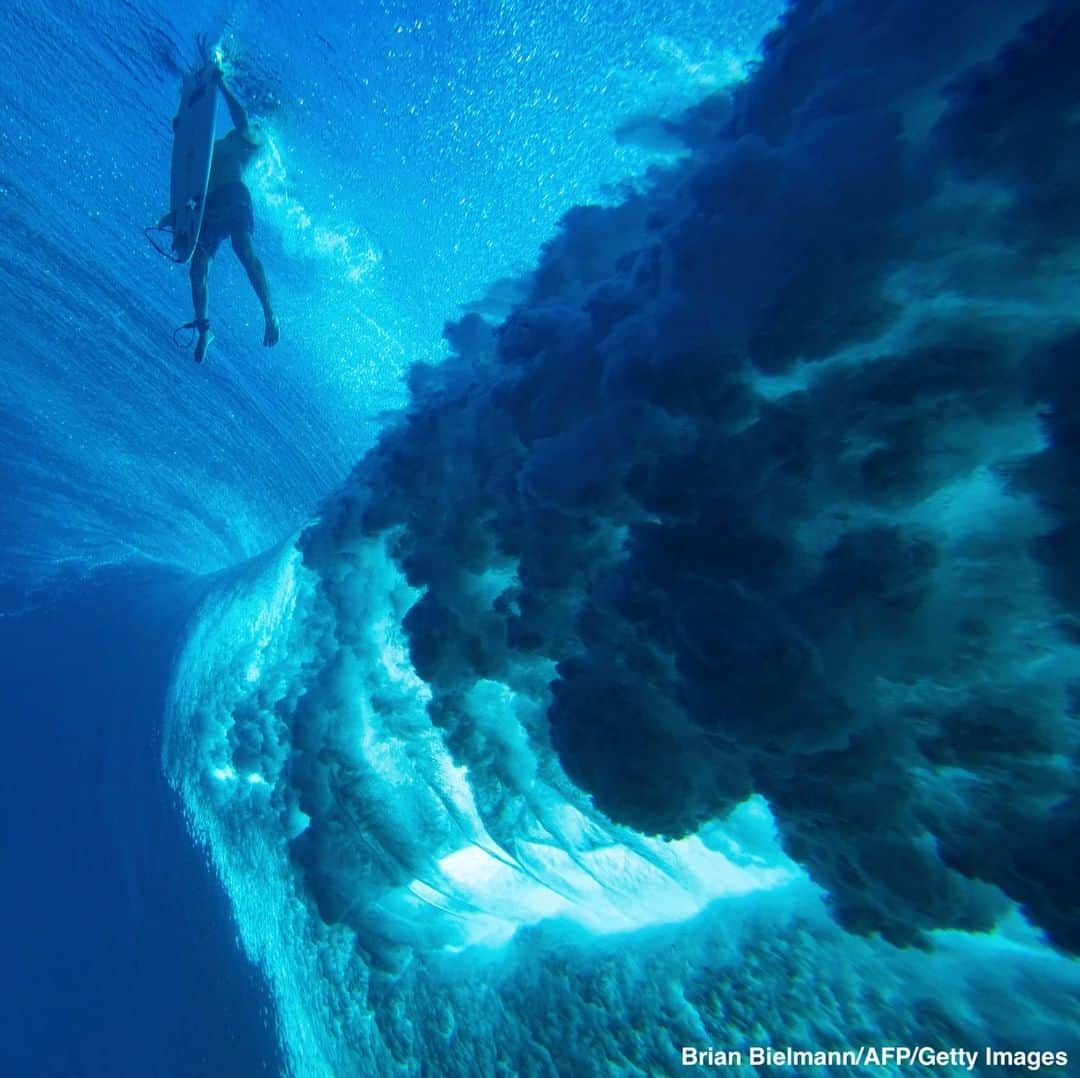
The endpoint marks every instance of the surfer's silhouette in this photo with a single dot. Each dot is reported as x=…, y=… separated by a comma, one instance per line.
x=229, y=213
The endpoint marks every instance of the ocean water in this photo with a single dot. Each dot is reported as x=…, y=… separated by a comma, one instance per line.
x=628, y=625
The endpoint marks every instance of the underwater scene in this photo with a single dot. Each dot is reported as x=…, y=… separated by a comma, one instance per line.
x=540, y=537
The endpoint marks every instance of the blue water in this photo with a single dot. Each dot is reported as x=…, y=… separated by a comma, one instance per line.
x=633, y=609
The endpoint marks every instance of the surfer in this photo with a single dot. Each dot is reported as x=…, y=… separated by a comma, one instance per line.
x=229, y=213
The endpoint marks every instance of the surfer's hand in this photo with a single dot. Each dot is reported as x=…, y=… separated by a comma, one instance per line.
x=273, y=333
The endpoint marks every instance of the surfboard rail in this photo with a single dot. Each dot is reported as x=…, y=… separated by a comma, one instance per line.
x=193, y=149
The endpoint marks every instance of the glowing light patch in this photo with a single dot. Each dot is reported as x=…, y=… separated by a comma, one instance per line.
x=471, y=866
x=223, y=774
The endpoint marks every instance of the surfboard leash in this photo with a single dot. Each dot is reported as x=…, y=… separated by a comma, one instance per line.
x=197, y=326
x=147, y=232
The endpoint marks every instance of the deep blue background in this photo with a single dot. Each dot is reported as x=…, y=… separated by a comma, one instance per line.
x=118, y=948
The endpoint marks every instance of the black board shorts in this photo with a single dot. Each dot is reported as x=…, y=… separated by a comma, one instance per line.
x=228, y=210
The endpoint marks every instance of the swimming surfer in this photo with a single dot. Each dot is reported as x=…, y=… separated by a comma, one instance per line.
x=229, y=213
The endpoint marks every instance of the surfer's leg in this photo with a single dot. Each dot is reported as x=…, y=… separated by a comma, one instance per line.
x=200, y=268
x=245, y=251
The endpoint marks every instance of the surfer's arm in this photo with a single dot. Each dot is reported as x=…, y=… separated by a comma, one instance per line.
x=236, y=110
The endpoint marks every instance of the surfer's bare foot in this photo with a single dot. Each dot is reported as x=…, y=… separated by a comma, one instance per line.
x=205, y=337
x=273, y=332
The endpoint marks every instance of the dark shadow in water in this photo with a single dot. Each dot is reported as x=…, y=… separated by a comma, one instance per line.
x=117, y=944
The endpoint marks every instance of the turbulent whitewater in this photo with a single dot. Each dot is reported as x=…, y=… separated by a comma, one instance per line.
x=692, y=661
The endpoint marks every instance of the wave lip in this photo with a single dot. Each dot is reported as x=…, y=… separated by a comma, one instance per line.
x=299, y=718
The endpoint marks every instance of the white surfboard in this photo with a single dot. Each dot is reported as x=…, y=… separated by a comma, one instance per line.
x=193, y=147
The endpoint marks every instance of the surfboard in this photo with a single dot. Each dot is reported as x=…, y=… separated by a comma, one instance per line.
x=193, y=147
